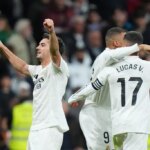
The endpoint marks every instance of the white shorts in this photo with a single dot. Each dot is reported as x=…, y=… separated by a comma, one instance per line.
x=45, y=139
x=131, y=141
x=95, y=123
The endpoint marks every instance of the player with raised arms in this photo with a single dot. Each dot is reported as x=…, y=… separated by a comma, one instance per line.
x=50, y=80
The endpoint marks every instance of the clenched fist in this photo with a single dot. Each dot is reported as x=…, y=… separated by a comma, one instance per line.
x=49, y=25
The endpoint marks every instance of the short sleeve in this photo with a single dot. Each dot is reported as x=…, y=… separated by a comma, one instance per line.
x=62, y=68
x=32, y=70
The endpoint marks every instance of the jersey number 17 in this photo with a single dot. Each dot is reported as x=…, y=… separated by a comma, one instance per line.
x=135, y=91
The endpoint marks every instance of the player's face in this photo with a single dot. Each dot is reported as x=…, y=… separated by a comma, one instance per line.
x=43, y=49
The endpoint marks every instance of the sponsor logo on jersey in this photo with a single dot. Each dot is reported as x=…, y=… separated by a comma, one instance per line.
x=38, y=82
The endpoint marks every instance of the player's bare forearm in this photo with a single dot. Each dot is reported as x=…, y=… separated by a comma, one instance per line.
x=15, y=61
x=54, y=48
x=124, y=51
x=144, y=47
x=54, y=45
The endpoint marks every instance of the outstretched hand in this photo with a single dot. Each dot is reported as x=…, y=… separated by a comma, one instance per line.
x=49, y=25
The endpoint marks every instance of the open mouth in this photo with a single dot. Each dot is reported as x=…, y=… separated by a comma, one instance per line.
x=38, y=52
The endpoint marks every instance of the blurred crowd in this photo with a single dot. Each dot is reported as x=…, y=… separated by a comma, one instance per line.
x=82, y=25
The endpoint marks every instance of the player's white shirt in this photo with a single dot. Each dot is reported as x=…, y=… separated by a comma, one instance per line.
x=49, y=87
x=107, y=57
x=100, y=129
x=129, y=84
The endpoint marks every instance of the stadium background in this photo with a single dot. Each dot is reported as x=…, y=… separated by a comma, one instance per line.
x=82, y=25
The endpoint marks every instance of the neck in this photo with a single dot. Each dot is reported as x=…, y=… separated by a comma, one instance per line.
x=110, y=46
x=45, y=62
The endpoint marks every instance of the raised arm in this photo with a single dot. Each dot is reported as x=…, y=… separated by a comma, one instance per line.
x=15, y=61
x=144, y=47
x=121, y=52
x=92, y=87
x=125, y=51
x=54, y=46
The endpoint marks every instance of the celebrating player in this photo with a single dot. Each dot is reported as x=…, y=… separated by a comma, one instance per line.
x=98, y=134
x=129, y=92
x=50, y=79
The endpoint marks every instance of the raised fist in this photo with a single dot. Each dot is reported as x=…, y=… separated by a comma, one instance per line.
x=49, y=25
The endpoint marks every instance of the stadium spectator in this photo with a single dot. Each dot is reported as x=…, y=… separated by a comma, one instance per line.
x=132, y=6
x=120, y=19
x=35, y=15
x=94, y=44
x=81, y=7
x=7, y=97
x=61, y=13
x=21, y=118
x=26, y=47
x=79, y=74
x=75, y=38
x=107, y=7
x=94, y=20
x=81, y=61
x=5, y=30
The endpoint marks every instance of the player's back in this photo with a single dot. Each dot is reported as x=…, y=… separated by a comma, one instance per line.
x=129, y=84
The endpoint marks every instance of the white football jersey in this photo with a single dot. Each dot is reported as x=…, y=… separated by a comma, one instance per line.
x=129, y=83
x=101, y=131
x=49, y=87
x=107, y=57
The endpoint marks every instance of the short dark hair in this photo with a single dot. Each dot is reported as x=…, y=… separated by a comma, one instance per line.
x=62, y=46
x=112, y=32
x=134, y=37
x=45, y=36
